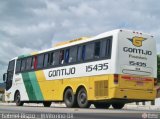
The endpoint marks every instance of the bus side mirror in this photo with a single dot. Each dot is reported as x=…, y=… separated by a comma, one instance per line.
x=5, y=77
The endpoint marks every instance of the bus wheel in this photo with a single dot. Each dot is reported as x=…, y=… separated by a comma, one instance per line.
x=82, y=99
x=118, y=105
x=47, y=104
x=69, y=98
x=17, y=99
x=102, y=105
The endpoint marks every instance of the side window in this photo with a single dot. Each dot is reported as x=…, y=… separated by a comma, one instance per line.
x=61, y=57
x=40, y=59
x=51, y=59
x=34, y=62
x=106, y=48
x=11, y=65
x=89, y=51
x=10, y=73
x=54, y=58
x=73, y=54
x=83, y=52
x=46, y=60
x=103, y=47
x=97, y=50
x=67, y=53
x=79, y=53
x=23, y=65
x=29, y=63
x=18, y=66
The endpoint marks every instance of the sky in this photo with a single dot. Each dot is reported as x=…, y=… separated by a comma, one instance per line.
x=33, y=25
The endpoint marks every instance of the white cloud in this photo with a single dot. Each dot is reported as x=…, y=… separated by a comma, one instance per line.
x=83, y=10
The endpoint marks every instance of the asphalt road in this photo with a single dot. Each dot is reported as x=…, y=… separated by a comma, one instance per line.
x=32, y=112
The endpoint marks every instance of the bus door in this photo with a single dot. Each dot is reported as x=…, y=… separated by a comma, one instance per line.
x=10, y=73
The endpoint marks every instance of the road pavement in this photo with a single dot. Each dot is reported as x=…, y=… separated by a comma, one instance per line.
x=61, y=112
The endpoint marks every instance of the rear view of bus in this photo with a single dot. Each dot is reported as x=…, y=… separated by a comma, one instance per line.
x=136, y=66
x=113, y=68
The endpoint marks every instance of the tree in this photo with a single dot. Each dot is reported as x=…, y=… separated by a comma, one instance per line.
x=158, y=69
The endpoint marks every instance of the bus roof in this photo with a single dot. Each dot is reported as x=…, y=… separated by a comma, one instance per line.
x=80, y=40
x=70, y=41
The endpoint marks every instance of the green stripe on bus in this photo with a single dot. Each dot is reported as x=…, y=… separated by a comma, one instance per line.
x=29, y=86
x=36, y=86
x=22, y=56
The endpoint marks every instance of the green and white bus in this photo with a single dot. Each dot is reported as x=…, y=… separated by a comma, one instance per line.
x=112, y=68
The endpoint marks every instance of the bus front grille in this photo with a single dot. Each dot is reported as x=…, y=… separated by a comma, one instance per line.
x=101, y=88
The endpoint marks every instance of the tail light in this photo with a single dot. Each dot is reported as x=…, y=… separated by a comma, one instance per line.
x=115, y=78
x=155, y=82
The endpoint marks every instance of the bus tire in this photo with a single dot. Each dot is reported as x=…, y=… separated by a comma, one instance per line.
x=118, y=105
x=69, y=98
x=102, y=105
x=47, y=104
x=17, y=99
x=82, y=99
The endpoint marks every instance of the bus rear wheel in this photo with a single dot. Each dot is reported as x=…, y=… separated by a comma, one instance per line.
x=102, y=105
x=82, y=99
x=69, y=98
x=17, y=99
x=47, y=104
x=118, y=105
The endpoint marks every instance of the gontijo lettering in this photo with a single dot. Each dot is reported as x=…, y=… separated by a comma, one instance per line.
x=62, y=72
x=138, y=51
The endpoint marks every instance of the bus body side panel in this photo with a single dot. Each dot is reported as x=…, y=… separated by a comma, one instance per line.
x=57, y=79
x=17, y=85
x=98, y=77
x=32, y=86
x=20, y=86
